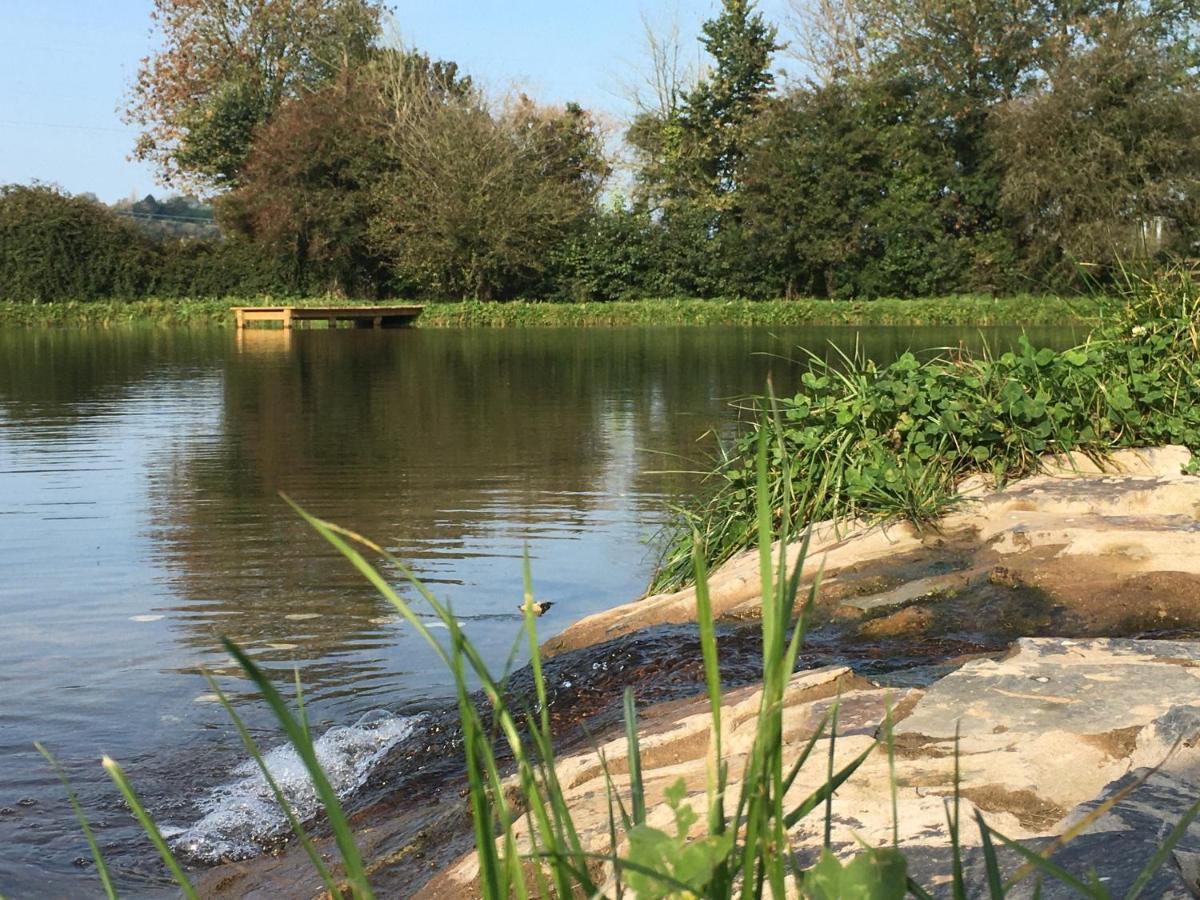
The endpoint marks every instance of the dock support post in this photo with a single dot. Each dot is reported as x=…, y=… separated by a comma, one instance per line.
x=241, y=319
x=287, y=318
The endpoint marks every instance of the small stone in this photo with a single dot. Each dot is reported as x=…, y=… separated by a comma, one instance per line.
x=1002, y=576
x=26, y=802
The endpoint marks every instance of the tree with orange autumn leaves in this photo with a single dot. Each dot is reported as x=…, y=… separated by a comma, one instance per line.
x=225, y=67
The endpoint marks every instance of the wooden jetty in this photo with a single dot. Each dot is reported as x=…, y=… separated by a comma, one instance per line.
x=361, y=316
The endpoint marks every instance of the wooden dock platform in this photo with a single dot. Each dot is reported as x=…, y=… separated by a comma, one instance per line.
x=361, y=316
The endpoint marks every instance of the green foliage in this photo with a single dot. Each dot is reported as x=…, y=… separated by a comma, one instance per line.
x=863, y=441
x=691, y=153
x=478, y=196
x=950, y=147
x=1103, y=164
x=943, y=147
x=217, y=268
x=870, y=875
x=677, y=856
x=228, y=268
x=303, y=196
x=224, y=68
x=610, y=257
x=56, y=247
x=824, y=228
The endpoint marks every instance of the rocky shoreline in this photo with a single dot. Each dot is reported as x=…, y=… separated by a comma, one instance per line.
x=1040, y=738
x=1084, y=557
x=1091, y=551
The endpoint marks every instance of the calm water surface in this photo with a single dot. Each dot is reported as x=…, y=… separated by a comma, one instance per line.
x=140, y=519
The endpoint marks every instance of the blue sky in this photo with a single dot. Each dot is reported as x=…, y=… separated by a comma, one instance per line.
x=65, y=66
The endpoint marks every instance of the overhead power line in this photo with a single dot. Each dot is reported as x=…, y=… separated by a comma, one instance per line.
x=28, y=124
x=134, y=214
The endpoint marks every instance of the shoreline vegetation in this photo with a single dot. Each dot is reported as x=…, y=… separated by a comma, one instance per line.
x=964, y=310
x=868, y=443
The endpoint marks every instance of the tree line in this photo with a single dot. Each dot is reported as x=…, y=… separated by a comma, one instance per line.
x=931, y=147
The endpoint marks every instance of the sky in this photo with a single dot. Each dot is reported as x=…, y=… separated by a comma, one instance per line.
x=66, y=65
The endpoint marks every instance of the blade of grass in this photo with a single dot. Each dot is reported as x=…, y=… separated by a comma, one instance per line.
x=1160, y=856
x=959, y=884
x=991, y=864
x=712, y=679
x=1085, y=821
x=1047, y=867
x=818, y=796
x=807, y=750
x=117, y=774
x=837, y=704
x=636, y=789
x=81, y=818
x=535, y=658
x=293, y=820
x=689, y=890
x=481, y=812
x=890, y=737
x=343, y=836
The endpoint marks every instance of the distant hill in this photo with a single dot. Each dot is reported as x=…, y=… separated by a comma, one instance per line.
x=173, y=217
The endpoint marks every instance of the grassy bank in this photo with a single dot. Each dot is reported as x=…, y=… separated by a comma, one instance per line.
x=958, y=310
x=875, y=443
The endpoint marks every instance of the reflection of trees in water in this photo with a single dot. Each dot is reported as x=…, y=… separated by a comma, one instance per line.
x=443, y=445
x=74, y=374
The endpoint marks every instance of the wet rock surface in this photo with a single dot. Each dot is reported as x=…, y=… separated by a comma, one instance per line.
x=410, y=816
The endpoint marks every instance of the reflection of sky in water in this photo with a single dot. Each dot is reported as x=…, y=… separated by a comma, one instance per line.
x=139, y=520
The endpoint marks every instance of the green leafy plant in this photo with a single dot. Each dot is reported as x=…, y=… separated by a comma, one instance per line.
x=861, y=441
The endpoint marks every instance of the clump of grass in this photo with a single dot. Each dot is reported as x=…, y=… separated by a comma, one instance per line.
x=744, y=848
x=886, y=442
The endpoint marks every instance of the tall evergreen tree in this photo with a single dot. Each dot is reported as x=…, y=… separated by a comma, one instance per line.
x=693, y=151
x=722, y=107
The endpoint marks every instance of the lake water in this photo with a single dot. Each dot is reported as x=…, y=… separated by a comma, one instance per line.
x=140, y=519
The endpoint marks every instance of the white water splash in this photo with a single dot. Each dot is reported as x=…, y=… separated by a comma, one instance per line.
x=239, y=816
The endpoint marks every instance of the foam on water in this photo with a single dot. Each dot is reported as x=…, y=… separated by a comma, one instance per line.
x=240, y=816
